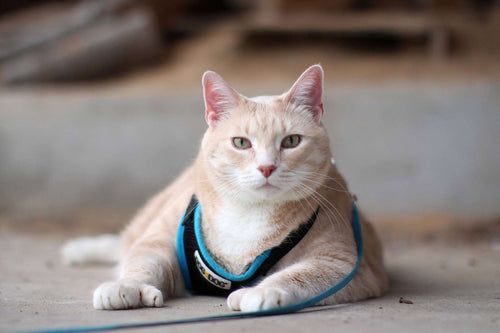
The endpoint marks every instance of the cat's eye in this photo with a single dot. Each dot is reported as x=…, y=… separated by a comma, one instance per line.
x=241, y=143
x=291, y=141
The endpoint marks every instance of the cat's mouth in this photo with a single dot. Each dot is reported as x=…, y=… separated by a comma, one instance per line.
x=268, y=186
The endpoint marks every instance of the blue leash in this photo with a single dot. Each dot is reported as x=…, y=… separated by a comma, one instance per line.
x=356, y=227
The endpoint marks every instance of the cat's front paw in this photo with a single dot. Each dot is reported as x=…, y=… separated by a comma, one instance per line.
x=259, y=298
x=126, y=295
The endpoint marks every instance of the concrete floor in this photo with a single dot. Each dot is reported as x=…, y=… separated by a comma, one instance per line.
x=453, y=289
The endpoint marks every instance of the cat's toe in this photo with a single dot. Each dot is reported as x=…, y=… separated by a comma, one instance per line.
x=234, y=299
x=276, y=298
x=98, y=302
x=151, y=297
x=126, y=295
x=255, y=299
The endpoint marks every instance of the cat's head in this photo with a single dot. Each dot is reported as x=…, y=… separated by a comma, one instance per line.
x=267, y=148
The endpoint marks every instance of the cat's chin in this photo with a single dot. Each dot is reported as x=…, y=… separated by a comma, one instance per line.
x=271, y=194
x=263, y=194
x=268, y=187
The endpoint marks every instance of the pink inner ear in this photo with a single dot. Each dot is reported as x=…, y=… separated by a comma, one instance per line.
x=219, y=97
x=210, y=102
x=308, y=91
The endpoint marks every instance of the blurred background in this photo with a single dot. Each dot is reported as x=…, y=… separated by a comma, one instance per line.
x=101, y=103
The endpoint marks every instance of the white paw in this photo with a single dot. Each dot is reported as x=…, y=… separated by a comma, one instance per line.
x=126, y=295
x=258, y=298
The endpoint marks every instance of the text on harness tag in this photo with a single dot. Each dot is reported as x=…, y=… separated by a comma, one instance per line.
x=210, y=276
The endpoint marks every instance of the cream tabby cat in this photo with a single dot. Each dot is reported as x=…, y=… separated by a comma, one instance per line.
x=262, y=171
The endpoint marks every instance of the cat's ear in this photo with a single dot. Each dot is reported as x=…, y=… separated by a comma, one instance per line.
x=219, y=97
x=308, y=91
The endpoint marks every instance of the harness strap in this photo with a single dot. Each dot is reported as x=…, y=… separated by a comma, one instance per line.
x=202, y=274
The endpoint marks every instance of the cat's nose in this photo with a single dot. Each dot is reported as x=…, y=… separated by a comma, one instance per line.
x=266, y=170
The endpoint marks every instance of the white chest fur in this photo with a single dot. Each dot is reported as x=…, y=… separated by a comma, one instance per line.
x=238, y=233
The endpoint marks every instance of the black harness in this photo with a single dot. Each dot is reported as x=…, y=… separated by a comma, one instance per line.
x=203, y=275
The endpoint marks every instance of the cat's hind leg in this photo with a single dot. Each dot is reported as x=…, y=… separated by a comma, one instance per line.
x=102, y=249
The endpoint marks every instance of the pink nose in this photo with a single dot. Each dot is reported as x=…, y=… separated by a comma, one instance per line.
x=266, y=170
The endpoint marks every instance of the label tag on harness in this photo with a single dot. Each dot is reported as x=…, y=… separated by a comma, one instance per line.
x=209, y=275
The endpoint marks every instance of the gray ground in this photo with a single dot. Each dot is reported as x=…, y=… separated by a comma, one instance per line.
x=453, y=289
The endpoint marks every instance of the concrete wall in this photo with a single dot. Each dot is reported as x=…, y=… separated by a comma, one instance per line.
x=421, y=149
x=405, y=149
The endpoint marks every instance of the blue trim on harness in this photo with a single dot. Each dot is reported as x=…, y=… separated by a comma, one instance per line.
x=181, y=254
x=219, y=270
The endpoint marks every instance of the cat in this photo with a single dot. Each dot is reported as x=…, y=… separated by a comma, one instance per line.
x=264, y=169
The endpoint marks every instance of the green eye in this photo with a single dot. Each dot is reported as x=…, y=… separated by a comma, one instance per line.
x=242, y=143
x=291, y=141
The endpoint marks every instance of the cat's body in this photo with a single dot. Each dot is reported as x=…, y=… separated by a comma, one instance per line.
x=262, y=171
